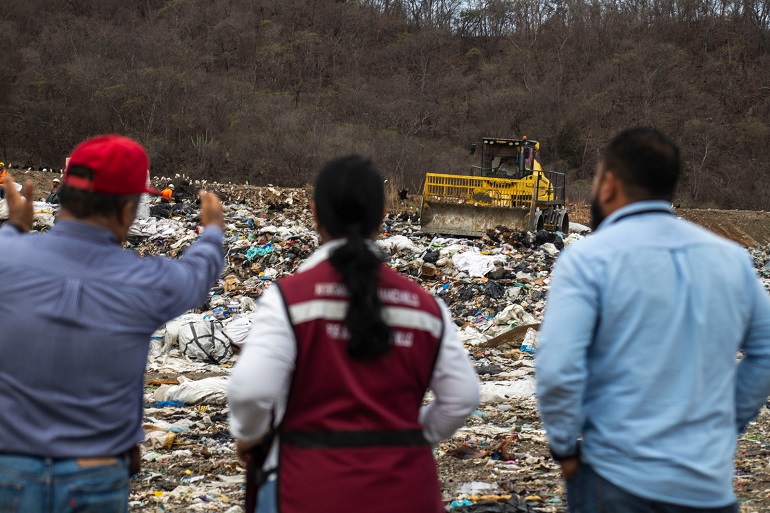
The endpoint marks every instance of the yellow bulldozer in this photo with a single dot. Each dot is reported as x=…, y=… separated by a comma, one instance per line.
x=508, y=189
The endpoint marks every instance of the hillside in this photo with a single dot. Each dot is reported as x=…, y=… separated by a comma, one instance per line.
x=265, y=91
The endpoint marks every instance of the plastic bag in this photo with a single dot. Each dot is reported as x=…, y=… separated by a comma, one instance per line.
x=205, y=341
x=493, y=392
x=239, y=329
x=203, y=391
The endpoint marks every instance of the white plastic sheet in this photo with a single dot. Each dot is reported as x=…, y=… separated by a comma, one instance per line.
x=515, y=313
x=579, y=228
x=204, y=391
x=248, y=305
x=238, y=329
x=172, y=326
x=155, y=227
x=474, y=263
x=550, y=248
x=143, y=210
x=493, y=392
x=470, y=336
x=529, y=345
x=399, y=243
x=572, y=238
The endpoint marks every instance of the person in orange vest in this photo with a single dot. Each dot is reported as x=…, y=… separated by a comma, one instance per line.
x=335, y=368
x=3, y=174
x=166, y=195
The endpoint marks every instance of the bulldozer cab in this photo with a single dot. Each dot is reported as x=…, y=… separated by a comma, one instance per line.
x=507, y=158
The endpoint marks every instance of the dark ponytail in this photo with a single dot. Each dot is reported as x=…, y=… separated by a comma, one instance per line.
x=350, y=201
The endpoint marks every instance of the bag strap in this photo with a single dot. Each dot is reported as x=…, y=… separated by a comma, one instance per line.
x=197, y=343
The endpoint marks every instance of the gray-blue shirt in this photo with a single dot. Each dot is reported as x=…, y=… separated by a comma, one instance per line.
x=76, y=315
x=637, y=354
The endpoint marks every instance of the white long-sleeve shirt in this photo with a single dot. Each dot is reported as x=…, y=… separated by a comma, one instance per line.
x=259, y=383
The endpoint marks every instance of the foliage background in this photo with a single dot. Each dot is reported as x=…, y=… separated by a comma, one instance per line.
x=266, y=90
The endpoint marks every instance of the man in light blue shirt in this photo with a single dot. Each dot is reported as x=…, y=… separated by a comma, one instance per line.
x=637, y=351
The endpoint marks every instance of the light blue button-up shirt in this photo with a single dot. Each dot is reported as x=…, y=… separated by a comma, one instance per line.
x=637, y=355
x=76, y=315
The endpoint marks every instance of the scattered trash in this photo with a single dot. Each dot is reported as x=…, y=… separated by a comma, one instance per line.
x=204, y=391
x=530, y=342
x=492, y=504
x=205, y=341
x=505, y=391
x=475, y=487
x=495, y=288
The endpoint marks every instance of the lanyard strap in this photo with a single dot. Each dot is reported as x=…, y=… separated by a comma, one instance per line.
x=648, y=211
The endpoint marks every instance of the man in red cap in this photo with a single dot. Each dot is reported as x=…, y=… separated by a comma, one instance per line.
x=74, y=354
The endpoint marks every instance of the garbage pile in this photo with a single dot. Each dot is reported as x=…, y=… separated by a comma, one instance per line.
x=495, y=288
x=44, y=214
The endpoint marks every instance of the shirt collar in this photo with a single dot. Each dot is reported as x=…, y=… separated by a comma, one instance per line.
x=82, y=230
x=638, y=208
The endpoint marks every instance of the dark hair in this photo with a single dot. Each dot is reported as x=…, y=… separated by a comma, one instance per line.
x=350, y=200
x=646, y=162
x=83, y=204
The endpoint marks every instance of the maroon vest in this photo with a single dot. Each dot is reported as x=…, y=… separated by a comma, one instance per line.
x=350, y=439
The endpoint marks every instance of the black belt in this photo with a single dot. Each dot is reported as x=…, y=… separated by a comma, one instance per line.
x=341, y=439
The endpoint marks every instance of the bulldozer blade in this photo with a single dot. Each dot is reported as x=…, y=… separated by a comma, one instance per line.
x=470, y=220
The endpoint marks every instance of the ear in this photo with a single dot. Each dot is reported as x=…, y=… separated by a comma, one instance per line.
x=128, y=212
x=325, y=237
x=126, y=217
x=609, y=188
x=314, y=210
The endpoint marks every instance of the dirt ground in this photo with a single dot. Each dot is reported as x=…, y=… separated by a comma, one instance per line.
x=746, y=227
x=41, y=180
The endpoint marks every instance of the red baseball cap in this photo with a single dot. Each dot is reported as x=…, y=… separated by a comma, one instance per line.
x=120, y=166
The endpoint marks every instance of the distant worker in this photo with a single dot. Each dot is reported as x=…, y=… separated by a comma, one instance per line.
x=53, y=197
x=181, y=193
x=3, y=175
x=338, y=362
x=75, y=334
x=637, y=352
x=166, y=195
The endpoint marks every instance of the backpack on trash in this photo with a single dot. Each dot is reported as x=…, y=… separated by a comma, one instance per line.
x=205, y=341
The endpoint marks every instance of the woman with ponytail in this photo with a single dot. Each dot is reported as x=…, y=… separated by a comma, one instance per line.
x=333, y=374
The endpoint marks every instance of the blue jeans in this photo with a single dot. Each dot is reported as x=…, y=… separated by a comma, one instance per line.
x=267, y=499
x=37, y=485
x=588, y=492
